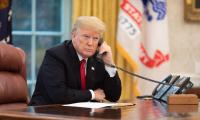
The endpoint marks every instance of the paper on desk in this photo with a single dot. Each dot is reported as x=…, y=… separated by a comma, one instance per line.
x=97, y=104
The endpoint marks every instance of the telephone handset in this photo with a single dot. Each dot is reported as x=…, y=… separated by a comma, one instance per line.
x=97, y=51
x=100, y=42
x=161, y=89
x=159, y=93
x=159, y=86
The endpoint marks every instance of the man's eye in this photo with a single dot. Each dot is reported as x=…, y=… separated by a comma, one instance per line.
x=86, y=36
x=95, y=38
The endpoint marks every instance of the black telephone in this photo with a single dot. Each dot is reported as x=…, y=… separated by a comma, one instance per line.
x=100, y=42
x=178, y=85
x=160, y=88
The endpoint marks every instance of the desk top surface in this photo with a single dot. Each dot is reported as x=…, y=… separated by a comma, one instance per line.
x=143, y=110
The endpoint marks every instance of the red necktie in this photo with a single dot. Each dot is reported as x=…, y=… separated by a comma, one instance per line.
x=82, y=73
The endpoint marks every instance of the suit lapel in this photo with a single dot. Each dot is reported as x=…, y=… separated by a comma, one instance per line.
x=75, y=65
x=90, y=76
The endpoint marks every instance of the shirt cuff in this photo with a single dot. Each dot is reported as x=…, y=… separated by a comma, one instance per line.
x=111, y=71
x=92, y=93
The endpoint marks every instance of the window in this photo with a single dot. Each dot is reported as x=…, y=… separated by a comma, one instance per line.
x=37, y=26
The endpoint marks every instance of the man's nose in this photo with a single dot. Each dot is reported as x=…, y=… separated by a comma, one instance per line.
x=90, y=40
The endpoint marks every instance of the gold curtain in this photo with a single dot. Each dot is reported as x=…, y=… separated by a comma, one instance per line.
x=107, y=10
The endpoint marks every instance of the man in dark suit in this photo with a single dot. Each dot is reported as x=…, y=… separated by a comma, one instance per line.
x=61, y=80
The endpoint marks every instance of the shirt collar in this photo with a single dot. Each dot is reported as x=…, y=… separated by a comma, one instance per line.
x=81, y=58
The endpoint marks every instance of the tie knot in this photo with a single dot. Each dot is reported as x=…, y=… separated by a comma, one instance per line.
x=83, y=61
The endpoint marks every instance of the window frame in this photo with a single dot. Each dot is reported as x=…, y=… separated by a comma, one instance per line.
x=64, y=34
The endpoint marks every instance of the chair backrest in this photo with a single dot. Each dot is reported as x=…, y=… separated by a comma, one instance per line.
x=13, y=86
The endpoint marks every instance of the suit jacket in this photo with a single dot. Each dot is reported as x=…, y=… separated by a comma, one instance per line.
x=59, y=82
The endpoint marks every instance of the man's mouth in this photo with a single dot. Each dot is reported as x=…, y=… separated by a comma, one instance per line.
x=89, y=50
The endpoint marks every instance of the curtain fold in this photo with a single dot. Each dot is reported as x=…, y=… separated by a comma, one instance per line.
x=107, y=10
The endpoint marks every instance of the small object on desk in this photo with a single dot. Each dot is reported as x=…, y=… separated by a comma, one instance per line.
x=145, y=97
x=123, y=104
x=183, y=99
x=182, y=108
x=98, y=104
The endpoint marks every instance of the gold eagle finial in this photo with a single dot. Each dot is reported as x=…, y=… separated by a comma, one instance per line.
x=4, y=4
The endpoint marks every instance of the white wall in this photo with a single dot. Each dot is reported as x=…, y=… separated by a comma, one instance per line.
x=184, y=39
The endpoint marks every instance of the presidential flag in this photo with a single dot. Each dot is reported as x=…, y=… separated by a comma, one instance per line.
x=143, y=40
x=5, y=21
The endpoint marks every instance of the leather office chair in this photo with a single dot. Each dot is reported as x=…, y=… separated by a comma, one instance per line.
x=13, y=86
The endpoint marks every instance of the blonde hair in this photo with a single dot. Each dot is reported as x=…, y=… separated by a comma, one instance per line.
x=90, y=22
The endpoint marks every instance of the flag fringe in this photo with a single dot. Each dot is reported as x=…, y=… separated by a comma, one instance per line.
x=133, y=66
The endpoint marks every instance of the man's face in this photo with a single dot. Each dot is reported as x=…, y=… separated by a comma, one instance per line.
x=85, y=41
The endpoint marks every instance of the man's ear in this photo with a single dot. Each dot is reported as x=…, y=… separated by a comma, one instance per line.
x=74, y=35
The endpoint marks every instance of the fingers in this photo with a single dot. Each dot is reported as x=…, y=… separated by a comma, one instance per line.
x=105, y=48
x=99, y=95
x=104, y=100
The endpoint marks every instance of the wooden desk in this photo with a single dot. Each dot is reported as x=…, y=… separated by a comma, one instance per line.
x=143, y=110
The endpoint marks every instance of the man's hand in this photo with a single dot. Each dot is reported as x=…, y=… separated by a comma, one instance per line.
x=105, y=48
x=99, y=95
